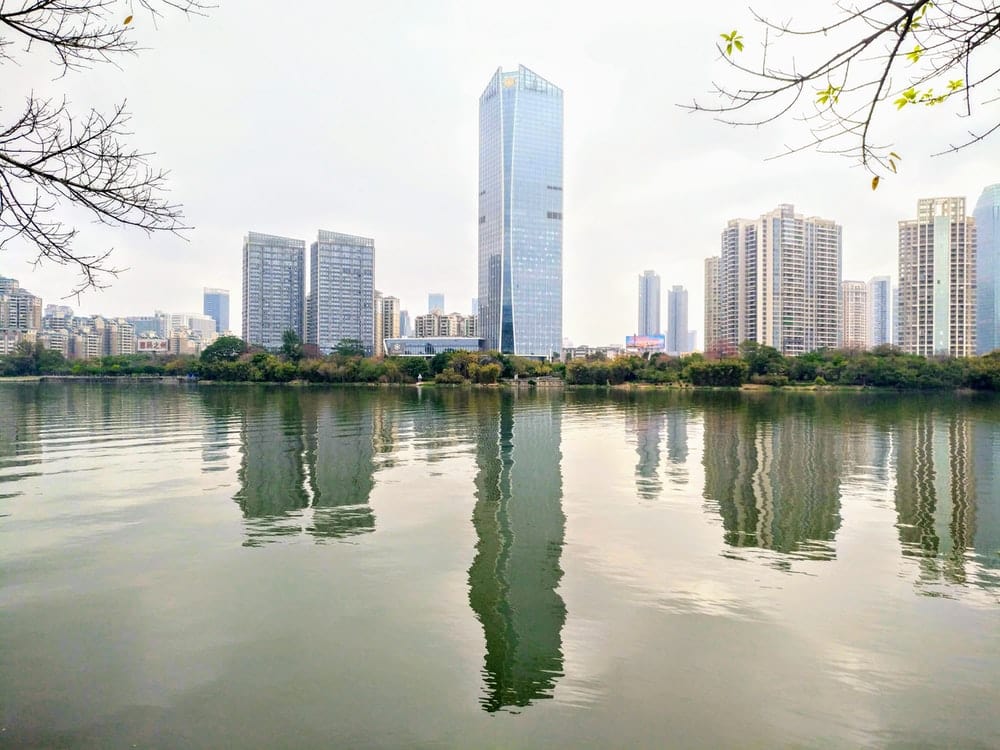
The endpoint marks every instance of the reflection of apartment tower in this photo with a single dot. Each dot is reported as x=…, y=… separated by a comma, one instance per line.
x=712, y=311
x=341, y=291
x=935, y=493
x=937, y=279
x=677, y=446
x=272, y=470
x=987, y=216
x=775, y=478
x=879, y=311
x=647, y=427
x=519, y=522
x=854, y=314
x=780, y=282
x=274, y=280
x=339, y=451
x=677, y=320
x=649, y=304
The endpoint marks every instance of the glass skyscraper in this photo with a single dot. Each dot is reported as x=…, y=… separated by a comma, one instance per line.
x=987, y=216
x=216, y=306
x=520, y=214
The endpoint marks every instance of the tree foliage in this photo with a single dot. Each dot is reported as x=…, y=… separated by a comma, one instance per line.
x=52, y=157
x=224, y=349
x=843, y=75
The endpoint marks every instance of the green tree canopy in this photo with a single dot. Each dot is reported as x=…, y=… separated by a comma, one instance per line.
x=224, y=349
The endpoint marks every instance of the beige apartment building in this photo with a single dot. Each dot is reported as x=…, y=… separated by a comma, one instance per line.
x=854, y=314
x=712, y=304
x=779, y=282
x=937, y=279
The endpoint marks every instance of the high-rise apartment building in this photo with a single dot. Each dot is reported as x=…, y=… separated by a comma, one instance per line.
x=274, y=280
x=20, y=310
x=779, y=282
x=649, y=304
x=854, y=314
x=879, y=311
x=937, y=279
x=987, y=216
x=387, y=316
x=520, y=214
x=435, y=301
x=712, y=310
x=341, y=292
x=215, y=304
x=677, y=321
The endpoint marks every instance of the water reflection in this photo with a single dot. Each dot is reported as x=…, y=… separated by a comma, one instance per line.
x=936, y=497
x=307, y=464
x=775, y=479
x=340, y=453
x=647, y=427
x=520, y=527
x=20, y=447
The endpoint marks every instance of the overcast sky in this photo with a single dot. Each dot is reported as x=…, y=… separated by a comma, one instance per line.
x=363, y=118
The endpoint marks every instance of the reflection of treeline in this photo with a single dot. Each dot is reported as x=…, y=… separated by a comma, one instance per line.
x=884, y=367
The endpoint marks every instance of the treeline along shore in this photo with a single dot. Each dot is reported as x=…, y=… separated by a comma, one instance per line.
x=229, y=359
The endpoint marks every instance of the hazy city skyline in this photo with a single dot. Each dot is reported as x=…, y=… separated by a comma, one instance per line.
x=413, y=189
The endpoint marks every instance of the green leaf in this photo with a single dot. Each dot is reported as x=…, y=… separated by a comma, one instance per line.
x=895, y=156
x=892, y=166
x=955, y=85
x=915, y=54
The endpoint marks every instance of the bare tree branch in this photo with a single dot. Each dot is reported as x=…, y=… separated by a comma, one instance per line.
x=904, y=54
x=51, y=159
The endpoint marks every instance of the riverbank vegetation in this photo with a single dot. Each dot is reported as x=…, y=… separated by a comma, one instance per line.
x=229, y=359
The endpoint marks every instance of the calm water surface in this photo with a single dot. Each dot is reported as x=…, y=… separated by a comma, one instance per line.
x=280, y=567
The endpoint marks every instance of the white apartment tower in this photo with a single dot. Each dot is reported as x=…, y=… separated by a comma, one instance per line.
x=854, y=314
x=678, y=336
x=712, y=304
x=937, y=280
x=274, y=280
x=341, y=301
x=649, y=304
x=779, y=282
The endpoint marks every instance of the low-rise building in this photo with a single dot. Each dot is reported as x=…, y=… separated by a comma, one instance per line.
x=428, y=346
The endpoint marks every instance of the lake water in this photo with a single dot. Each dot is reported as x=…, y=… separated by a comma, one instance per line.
x=262, y=567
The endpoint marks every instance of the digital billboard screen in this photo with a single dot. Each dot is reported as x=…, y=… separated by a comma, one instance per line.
x=646, y=343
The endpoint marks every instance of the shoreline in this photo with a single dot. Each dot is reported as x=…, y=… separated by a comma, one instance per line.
x=519, y=385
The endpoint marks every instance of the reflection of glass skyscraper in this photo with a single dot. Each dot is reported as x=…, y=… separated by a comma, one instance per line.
x=520, y=213
x=519, y=526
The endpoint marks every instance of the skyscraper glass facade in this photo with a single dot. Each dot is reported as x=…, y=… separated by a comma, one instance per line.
x=216, y=306
x=880, y=308
x=520, y=214
x=987, y=216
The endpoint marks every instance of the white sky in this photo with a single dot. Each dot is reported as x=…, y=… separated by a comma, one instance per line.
x=363, y=118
